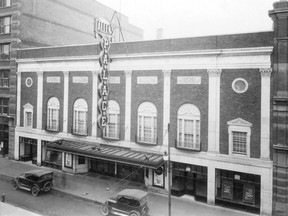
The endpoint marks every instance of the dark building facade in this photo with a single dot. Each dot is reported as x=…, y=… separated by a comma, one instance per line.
x=34, y=23
x=279, y=16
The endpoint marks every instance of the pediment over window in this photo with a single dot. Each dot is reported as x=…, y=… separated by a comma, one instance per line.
x=28, y=106
x=239, y=122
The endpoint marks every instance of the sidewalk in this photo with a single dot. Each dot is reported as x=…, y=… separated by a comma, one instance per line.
x=97, y=189
x=10, y=210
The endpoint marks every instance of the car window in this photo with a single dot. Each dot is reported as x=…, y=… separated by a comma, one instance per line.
x=31, y=177
x=123, y=200
x=129, y=202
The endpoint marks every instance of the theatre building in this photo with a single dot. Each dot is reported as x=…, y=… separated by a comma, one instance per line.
x=207, y=98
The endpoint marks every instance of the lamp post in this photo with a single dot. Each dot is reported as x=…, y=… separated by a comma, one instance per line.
x=167, y=158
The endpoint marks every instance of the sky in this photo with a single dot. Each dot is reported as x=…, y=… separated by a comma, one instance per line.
x=188, y=18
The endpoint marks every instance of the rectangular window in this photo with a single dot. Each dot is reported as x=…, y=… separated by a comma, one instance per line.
x=4, y=106
x=28, y=117
x=81, y=160
x=5, y=51
x=239, y=142
x=4, y=78
x=112, y=128
x=188, y=134
x=68, y=160
x=53, y=119
x=5, y=3
x=80, y=123
x=5, y=25
x=147, y=129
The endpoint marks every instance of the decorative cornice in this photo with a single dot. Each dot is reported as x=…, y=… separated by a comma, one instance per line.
x=214, y=72
x=265, y=72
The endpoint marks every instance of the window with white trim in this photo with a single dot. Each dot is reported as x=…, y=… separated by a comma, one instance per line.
x=4, y=78
x=239, y=137
x=5, y=3
x=28, y=115
x=5, y=25
x=147, y=123
x=53, y=107
x=80, y=117
x=112, y=129
x=4, y=51
x=188, y=127
x=4, y=106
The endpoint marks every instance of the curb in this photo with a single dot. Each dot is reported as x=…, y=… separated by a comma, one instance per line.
x=54, y=190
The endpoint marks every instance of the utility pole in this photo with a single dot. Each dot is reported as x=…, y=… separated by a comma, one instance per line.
x=169, y=175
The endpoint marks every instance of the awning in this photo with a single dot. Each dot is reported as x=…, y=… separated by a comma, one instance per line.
x=109, y=153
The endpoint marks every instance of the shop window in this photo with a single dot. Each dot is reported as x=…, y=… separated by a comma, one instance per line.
x=5, y=3
x=52, y=157
x=80, y=117
x=147, y=123
x=5, y=25
x=28, y=115
x=5, y=51
x=81, y=160
x=239, y=137
x=53, y=107
x=188, y=129
x=4, y=78
x=4, y=106
x=111, y=131
x=68, y=162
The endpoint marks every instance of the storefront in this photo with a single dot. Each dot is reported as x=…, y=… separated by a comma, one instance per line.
x=189, y=179
x=28, y=149
x=118, y=162
x=239, y=190
x=4, y=138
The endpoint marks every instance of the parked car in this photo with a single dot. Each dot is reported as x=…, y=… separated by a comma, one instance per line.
x=34, y=181
x=132, y=202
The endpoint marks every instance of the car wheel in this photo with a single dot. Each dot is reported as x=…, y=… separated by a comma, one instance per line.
x=35, y=191
x=14, y=185
x=47, y=186
x=134, y=213
x=104, y=209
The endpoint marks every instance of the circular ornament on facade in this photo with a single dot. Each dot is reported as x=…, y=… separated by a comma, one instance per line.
x=240, y=85
x=29, y=82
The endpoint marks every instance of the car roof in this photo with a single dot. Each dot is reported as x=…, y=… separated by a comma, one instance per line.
x=133, y=193
x=39, y=172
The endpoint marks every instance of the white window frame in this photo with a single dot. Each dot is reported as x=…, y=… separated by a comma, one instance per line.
x=5, y=51
x=28, y=108
x=188, y=112
x=149, y=111
x=5, y=25
x=112, y=129
x=53, y=107
x=80, y=106
x=239, y=125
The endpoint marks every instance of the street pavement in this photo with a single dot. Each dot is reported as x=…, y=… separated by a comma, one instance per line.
x=97, y=188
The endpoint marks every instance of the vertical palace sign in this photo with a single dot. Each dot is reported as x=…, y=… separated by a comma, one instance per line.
x=104, y=32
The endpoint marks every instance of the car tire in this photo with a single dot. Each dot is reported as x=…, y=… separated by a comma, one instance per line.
x=15, y=185
x=134, y=213
x=47, y=186
x=35, y=191
x=105, y=209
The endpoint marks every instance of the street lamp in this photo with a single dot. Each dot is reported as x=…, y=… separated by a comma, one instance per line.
x=166, y=157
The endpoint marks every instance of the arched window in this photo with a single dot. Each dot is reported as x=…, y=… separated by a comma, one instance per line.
x=53, y=107
x=112, y=128
x=188, y=130
x=147, y=123
x=80, y=117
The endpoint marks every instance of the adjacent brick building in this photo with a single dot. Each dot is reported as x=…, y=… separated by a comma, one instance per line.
x=34, y=23
x=207, y=98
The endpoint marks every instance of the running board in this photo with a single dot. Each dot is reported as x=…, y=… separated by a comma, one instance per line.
x=25, y=188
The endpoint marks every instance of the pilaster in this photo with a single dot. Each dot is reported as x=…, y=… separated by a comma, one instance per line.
x=214, y=110
x=166, y=105
x=94, y=102
x=65, y=101
x=128, y=86
x=39, y=99
x=18, y=109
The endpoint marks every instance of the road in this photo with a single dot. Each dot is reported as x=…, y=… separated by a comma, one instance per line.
x=50, y=204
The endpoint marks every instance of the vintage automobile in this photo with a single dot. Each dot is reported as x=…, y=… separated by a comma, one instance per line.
x=132, y=202
x=34, y=181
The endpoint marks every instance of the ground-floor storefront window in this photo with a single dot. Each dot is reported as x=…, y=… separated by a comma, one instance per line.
x=28, y=149
x=4, y=139
x=189, y=179
x=239, y=190
x=52, y=159
x=118, y=170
